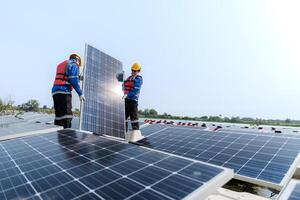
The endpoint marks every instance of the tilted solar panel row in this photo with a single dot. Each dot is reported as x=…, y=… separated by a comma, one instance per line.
x=262, y=159
x=75, y=165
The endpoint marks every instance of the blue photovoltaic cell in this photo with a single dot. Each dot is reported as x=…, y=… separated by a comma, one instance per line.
x=103, y=110
x=261, y=157
x=295, y=195
x=149, y=129
x=74, y=165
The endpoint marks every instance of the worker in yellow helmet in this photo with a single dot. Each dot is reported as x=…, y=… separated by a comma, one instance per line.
x=131, y=88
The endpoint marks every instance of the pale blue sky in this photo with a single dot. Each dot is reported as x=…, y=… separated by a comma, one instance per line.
x=229, y=57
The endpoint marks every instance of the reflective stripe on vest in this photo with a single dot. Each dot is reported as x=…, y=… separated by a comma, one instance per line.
x=61, y=77
x=128, y=84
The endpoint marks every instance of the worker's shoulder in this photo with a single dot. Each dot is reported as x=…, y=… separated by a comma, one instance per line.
x=72, y=66
x=139, y=77
x=71, y=63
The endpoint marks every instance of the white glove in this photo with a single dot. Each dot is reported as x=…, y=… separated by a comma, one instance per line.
x=82, y=98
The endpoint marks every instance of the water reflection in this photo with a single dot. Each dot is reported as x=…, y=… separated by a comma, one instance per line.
x=241, y=186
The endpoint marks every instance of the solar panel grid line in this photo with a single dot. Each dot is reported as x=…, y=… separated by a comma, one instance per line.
x=140, y=155
x=131, y=179
x=266, y=163
x=224, y=147
x=65, y=183
x=205, y=150
x=245, y=177
x=291, y=170
x=267, y=183
x=236, y=132
x=103, y=112
x=202, y=191
x=63, y=170
x=146, y=167
x=272, y=157
x=175, y=144
x=253, y=139
x=192, y=148
x=141, y=191
x=282, y=135
x=137, y=193
x=293, y=135
x=245, y=146
x=17, y=166
x=29, y=133
x=157, y=131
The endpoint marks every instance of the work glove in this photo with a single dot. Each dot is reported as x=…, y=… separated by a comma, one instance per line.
x=82, y=98
x=124, y=96
x=120, y=77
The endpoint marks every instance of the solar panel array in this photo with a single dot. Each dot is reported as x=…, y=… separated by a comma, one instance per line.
x=75, y=165
x=251, y=131
x=262, y=159
x=8, y=119
x=11, y=126
x=103, y=111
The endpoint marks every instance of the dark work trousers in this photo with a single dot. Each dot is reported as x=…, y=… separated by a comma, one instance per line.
x=131, y=110
x=63, y=110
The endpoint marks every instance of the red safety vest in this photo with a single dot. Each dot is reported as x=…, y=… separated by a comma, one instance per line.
x=128, y=84
x=61, y=77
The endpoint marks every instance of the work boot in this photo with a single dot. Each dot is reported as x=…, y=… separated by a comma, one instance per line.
x=134, y=136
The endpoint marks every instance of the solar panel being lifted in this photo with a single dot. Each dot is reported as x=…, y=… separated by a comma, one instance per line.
x=266, y=160
x=75, y=165
x=103, y=110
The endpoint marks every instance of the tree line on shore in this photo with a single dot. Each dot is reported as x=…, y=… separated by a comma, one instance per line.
x=8, y=107
x=152, y=113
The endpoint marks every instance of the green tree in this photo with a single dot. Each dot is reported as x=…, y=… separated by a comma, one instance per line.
x=204, y=118
x=235, y=119
x=153, y=112
x=226, y=119
x=7, y=105
x=141, y=112
x=146, y=112
x=31, y=105
x=288, y=120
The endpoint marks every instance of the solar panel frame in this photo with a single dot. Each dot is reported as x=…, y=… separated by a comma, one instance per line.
x=22, y=129
x=186, y=145
x=67, y=160
x=291, y=191
x=103, y=111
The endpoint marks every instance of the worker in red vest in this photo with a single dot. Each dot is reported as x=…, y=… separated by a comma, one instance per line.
x=131, y=89
x=67, y=78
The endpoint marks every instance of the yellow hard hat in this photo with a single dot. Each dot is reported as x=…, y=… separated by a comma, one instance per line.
x=136, y=67
x=76, y=56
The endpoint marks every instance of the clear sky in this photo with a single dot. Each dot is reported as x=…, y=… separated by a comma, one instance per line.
x=212, y=57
